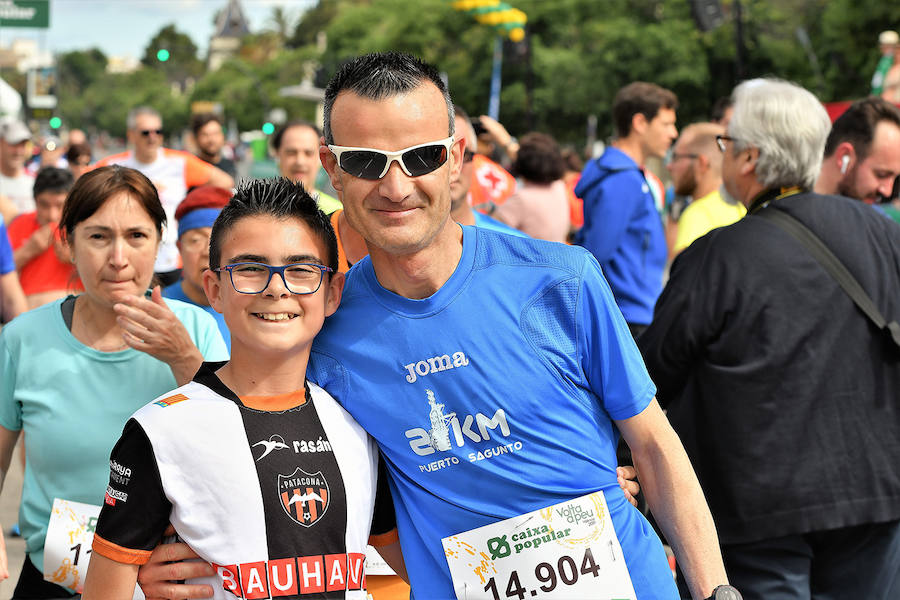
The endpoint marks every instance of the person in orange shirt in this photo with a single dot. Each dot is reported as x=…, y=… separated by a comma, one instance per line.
x=42, y=260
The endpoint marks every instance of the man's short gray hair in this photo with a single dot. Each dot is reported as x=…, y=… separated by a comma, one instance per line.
x=787, y=124
x=134, y=113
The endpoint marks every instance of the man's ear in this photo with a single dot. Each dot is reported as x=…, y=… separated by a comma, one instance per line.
x=335, y=290
x=329, y=163
x=748, y=163
x=457, y=150
x=703, y=163
x=638, y=123
x=212, y=285
x=844, y=157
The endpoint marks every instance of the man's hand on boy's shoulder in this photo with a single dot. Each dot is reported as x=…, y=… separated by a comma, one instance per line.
x=170, y=563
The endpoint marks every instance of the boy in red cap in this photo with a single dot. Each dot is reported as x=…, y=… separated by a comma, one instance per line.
x=195, y=216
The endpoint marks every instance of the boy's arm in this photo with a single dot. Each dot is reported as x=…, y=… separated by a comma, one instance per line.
x=134, y=515
x=109, y=580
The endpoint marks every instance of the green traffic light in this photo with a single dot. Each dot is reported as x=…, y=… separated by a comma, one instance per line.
x=162, y=55
x=268, y=128
x=55, y=123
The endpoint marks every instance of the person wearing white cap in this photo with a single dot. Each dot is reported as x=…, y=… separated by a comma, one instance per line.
x=15, y=184
x=886, y=80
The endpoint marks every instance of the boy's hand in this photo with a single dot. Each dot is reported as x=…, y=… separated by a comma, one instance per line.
x=170, y=563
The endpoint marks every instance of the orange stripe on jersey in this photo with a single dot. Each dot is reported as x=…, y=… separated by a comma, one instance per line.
x=118, y=553
x=384, y=539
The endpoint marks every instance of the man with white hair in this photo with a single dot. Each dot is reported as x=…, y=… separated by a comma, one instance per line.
x=782, y=390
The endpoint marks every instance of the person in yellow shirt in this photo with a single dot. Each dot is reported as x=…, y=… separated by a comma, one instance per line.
x=696, y=168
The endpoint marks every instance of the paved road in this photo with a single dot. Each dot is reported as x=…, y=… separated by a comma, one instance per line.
x=9, y=514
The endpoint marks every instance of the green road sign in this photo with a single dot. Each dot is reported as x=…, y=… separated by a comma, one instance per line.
x=25, y=13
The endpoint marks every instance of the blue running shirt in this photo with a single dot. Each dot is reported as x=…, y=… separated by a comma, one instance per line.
x=493, y=397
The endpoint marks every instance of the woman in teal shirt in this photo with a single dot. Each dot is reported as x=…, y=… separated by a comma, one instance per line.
x=73, y=371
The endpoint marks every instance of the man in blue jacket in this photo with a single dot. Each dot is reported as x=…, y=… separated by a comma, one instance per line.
x=622, y=227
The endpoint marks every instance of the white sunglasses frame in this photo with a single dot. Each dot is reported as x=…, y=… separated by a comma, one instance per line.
x=392, y=157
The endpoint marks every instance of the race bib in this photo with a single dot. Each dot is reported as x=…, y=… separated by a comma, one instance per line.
x=67, y=547
x=568, y=550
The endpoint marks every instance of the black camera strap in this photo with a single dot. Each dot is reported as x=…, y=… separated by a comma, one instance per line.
x=834, y=266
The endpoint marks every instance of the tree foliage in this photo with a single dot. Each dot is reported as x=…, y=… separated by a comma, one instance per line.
x=576, y=55
x=182, y=63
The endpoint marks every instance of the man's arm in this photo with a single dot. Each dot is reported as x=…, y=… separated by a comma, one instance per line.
x=675, y=498
x=8, y=210
x=220, y=178
x=611, y=204
x=685, y=318
x=31, y=248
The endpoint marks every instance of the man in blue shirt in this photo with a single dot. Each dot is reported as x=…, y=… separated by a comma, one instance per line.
x=495, y=372
x=622, y=227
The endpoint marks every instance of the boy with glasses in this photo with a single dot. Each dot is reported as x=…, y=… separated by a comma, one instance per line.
x=260, y=471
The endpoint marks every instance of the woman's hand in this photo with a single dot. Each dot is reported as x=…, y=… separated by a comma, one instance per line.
x=150, y=326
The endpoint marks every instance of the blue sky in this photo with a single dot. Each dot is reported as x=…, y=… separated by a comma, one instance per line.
x=124, y=27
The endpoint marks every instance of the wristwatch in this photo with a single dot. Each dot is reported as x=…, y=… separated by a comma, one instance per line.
x=725, y=592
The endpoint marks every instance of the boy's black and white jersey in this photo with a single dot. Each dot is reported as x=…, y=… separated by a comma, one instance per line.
x=281, y=503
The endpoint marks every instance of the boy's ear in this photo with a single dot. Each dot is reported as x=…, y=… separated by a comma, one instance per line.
x=335, y=289
x=212, y=285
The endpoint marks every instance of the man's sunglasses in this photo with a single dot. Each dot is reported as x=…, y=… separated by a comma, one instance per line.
x=369, y=163
x=147, y=132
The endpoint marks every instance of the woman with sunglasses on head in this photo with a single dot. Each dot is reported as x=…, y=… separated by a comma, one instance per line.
x=72, y=371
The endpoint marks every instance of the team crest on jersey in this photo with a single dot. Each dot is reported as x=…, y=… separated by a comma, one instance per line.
x=304, y=496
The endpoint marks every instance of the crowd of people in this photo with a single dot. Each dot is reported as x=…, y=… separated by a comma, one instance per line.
x=426, y=328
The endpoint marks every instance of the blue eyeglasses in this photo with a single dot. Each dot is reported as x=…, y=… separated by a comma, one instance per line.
x=254, y=277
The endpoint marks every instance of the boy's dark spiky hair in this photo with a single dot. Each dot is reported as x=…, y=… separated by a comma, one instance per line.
x=280, y=198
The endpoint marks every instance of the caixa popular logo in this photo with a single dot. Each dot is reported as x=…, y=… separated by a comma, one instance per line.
x=473, y=427
x=304, y=496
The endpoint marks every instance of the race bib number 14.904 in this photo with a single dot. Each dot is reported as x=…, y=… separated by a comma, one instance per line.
x=568, y=550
